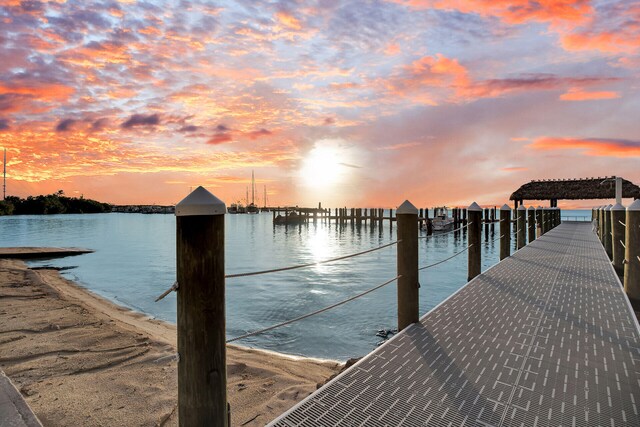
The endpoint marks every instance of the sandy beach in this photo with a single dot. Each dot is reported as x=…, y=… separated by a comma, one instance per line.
x=81, y=360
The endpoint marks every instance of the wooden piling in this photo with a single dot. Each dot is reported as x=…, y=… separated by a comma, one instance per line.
x=607, y=242
x=505, y=231
x=632, y=252
x=539, y=221
x=531, y=223
x=617, y=238
x=601, y=223
x=475, y=227
x=407, y=265
x=521, y=227
x=202, y=375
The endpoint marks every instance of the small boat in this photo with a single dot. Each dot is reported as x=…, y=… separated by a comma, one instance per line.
x=289, y=218
x=233, y=209
x=441, y=219
x=252, y=209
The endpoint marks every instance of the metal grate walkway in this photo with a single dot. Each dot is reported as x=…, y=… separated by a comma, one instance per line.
x=544, y=338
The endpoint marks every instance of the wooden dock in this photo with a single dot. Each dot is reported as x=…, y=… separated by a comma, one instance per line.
x=546, y=337
x=34, y=252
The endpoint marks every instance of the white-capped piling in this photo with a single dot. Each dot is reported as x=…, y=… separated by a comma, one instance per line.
x=202, y=371
x=601, y=223
x=617, y=237
x=539, y=221
x=475, y=234
x=632, y=251
x=607, y=241
x=505, y=231
x=531, y=223
x=407, y=264
x=521, y=236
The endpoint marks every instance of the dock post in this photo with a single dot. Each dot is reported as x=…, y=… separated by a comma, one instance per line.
x=202, y=370
x=607, y=231
x=617, y=238
x=464, y=216
x=601, y=223
x=632, y=252
x=475, y=230
x=505, y=231
x=539, y=221
x=531, y=223
x=521, y=236
x=407, y=264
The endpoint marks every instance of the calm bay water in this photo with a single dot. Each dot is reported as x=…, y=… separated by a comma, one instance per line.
x=134, y=261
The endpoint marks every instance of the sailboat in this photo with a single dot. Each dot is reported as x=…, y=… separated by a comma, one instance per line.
x=251, y=207
x=265, y=208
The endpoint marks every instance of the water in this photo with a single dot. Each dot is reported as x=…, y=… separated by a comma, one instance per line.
x=134, y=262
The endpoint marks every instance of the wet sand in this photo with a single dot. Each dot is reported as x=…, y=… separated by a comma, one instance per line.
x=81, y=360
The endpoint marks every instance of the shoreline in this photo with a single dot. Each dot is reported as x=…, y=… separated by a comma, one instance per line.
x=79, y=358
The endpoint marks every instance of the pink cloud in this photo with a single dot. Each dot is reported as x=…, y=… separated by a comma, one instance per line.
x=601, y=147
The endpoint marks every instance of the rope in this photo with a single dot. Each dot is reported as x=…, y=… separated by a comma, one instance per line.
x=168, y=291
x=622, y=243
x=448, y=232
x=623, y=224
x=446, y=259
x=250, y=334
x=255, y=273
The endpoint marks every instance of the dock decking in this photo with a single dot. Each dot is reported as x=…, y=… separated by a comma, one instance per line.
x=544, y=338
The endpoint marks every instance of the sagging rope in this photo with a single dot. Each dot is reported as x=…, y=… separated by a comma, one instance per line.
x=448, y=232
x=311, y=264
x=322, y=310
x=446, y=259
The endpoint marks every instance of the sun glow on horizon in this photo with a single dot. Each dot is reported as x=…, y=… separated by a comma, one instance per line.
x=324, y=168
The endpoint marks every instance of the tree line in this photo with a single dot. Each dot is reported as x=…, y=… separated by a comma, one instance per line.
x=56, y=203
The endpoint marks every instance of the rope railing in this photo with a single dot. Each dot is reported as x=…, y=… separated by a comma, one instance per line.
x=446, y=259
x=311, y=264
x=447, y=232
x=622, y=223
x=322, y=310
x=622, y=243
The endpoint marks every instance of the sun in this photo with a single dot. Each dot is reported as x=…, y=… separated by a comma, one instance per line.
x=323, y=167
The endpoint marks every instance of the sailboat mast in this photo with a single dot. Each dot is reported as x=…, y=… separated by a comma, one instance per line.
x=265, y=196
x=4, y=182
x=253, y=187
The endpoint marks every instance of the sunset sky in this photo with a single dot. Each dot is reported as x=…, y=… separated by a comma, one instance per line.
x=354, y=103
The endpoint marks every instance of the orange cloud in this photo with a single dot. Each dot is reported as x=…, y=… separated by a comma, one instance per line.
x=601, y=147
x=576, y=94
x=416, y=79
x=606, y=42
x=514, y=169
x=288, y=20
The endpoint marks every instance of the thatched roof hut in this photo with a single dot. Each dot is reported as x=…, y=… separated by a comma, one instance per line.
x=574, y=189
